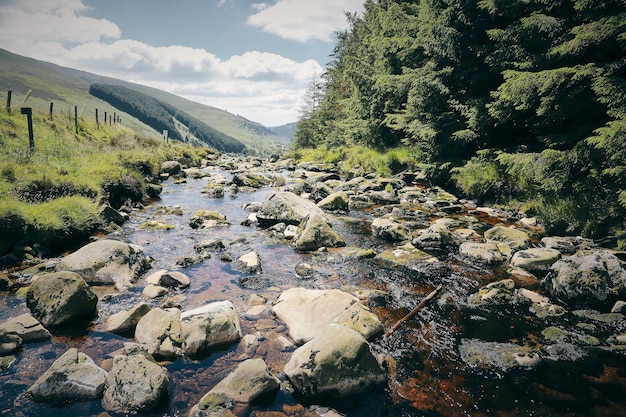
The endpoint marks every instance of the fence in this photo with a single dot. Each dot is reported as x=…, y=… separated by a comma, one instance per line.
x=109, y=119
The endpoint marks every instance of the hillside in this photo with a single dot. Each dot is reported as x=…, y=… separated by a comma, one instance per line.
x=67, y=87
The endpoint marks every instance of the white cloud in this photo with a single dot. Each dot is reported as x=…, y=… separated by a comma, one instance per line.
x=260, y=86
x=305, y=20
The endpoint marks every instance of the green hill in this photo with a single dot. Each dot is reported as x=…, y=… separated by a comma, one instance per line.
x=67, y=87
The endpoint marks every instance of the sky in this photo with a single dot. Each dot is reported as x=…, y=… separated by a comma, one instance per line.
x=251, y=58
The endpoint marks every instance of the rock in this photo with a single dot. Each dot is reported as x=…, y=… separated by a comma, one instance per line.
x=206, y=219
x=515, y=238
x=107, y=262
x=408, y=256
x=9, y=343
x=306, y=312
x=304, y=270
x=336, y=363
x=154, y=291
x=257, y=180
x=110, y=215
x=247, y=347
x=171, y=167
x=135, y=384
x=250, y=263
x=156, y=225
x=618, y=307
x=487, y=253
x=255, y=312
x=249, y=381
x=285, y=207
x=315, y=233
x=72, y=377
x=60, y=298
x=497, y=358
x=126, y=321
x=336, y=201
x=535, y=259
x=494, y=294
x=26, y=327
x=389, y=230
x=160, y=330
x=209, y=326
x=587, y=278
x=215, y=245
x=562, y=244
x=169, y=279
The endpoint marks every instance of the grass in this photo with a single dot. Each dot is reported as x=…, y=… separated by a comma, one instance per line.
x=367, y=159
x=54, y=191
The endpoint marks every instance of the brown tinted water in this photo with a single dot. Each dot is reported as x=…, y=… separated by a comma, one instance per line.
x=425, y=374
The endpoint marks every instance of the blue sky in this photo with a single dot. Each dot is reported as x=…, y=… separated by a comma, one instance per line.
x=251, y=58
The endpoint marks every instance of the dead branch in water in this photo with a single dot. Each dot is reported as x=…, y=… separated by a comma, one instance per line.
x=422, y=303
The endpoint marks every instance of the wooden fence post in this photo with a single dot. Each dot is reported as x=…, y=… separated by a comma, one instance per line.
x=9, y=93
x=97, y=122
x=28, y=111
x=76, y=119
x=51, y=107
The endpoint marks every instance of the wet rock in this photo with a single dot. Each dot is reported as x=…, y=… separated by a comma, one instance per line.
x=125, y=321
x=306, y=312
x=535, y=259
x=26, y=327
x=60, y=298
x=336, y=363
x=110, y=215
x=285, y=207
x=618, y=307
x=389, y=230
x=305, y=270
x=497, y=358
x=487, y=253
x=154, y=291
x=436, y=238
x=107, y=262
x=156, y=225
x=338, y=201
x=587, y=278
x=514, y=238
x=257, y=180
x=250, y=263
x=206, y=219
x=9, y=343
x=6, y=362
x=314, y=232
x=249, y=381
x=494, y=294
x=209, y=326
x=169, y=279
x=215, y=245
x=213, y=191
x=409, y=256
x=187, y=261
x=247, y=347
x=160, y=331
x=73, y=377
x=319, y=192
x=566, y=352
x=135, y=384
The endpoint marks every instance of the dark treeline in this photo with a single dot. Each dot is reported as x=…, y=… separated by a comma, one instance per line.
x=516, y=99
x=161, y=116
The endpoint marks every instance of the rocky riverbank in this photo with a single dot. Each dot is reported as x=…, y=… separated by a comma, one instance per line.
x=536, y=301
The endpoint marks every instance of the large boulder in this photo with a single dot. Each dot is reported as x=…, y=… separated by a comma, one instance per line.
x=487, y=253
x=107, y=262
x=125, y=321
x=285, y=207
x=516, y=239
x=588, y=278
x=135, y=384
x=338, y=201
x=314, y=232
x=249, y=381
x=60, y=298
x=72, y=377
x=496, y=358
x=336, y=363
x=209, y=326
x=306, y=312
x=389, y=230
x=535, y=259
x=160, y=331
x=26, y=327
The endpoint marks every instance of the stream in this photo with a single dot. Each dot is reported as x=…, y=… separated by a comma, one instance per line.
x=426, y=376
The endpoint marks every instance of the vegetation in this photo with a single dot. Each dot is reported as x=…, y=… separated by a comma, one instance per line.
x=51, y=195
x=526, y=99
x=162, y=116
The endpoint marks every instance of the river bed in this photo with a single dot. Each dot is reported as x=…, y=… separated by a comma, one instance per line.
x=425, y=374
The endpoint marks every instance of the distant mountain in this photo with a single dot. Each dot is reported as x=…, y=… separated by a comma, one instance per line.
x=67, y=87
x=287, y=130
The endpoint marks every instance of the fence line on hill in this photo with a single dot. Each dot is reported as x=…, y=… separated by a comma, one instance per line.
x=109, y=118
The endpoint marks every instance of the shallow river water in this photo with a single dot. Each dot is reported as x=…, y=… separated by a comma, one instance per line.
x=425, y=374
